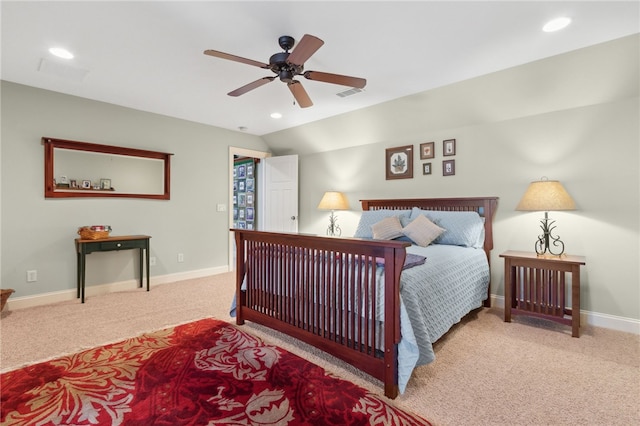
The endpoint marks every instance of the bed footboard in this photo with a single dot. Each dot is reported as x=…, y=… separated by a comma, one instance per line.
x=326, y=292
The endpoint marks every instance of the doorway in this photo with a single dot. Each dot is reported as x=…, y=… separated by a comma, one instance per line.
x=275, y=202
x=235, y=153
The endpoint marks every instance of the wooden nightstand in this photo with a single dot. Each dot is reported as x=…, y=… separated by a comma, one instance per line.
x=536, y=286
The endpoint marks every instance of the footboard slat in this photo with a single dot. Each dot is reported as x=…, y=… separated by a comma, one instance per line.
x=325, y=291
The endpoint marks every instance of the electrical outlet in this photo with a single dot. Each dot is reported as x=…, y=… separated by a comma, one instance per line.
x=221, y=207
x=152, y=261
x=32, y=276
x=180, y=257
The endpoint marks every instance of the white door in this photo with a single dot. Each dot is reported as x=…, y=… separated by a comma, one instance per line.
x=280, y=194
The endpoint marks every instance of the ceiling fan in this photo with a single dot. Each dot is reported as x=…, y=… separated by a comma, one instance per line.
x=287, y=66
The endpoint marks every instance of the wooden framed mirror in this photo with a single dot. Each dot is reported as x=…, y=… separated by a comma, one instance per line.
x=82, y=169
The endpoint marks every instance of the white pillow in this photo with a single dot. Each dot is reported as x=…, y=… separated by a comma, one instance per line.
x=387, y=229
x=422, y=231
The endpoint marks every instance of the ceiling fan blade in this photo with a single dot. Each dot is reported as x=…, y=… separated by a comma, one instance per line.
x=254, y=85
x=300, y=94
x=304, y=49
x=343, y=80
x=235, y=58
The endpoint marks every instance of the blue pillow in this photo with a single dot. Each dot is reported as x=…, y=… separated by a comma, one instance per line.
x=462, y=228
x=371, y=217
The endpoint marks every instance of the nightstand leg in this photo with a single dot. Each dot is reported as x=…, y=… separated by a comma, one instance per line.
x=508, y=284
x=575, y=301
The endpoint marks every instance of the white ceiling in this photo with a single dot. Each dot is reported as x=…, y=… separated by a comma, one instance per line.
x=149, y=55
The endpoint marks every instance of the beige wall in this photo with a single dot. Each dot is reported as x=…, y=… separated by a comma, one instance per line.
x=574, y=118
x=38, y=233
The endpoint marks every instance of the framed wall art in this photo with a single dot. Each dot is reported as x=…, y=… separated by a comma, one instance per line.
x=427, y=150
x=426, y=169
x=448, y=167
x=399, y=162
x=449, y=147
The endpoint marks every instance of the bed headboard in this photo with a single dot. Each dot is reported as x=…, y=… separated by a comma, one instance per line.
x=484, y=206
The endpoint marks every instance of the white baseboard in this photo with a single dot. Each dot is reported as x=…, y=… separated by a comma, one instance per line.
x=628, y=325
x=596, y=319
x=95, y=290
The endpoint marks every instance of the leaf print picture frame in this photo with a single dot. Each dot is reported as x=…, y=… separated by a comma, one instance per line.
x=399, y=162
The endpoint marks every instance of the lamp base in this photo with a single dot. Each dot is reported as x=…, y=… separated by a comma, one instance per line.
x=548, y=244
x=333, y=230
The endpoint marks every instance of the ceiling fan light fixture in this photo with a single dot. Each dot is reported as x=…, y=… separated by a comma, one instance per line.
x=286, y=75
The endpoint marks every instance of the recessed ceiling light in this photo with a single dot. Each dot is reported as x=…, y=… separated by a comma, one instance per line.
x=556, y=24
x=276, y=115
x=61, y=53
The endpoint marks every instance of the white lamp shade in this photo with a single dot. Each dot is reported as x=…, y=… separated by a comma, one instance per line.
x=546, y=195
x=333, y=200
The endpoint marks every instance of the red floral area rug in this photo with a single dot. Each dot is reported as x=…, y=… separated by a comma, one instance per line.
x=203, y=373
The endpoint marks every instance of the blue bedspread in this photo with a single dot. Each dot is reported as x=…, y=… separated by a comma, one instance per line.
x=452, y=282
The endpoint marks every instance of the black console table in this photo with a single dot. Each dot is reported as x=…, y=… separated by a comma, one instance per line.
x=127, y=242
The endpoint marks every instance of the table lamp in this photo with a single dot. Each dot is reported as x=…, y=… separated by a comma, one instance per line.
x=333, y=200
x=547, y=195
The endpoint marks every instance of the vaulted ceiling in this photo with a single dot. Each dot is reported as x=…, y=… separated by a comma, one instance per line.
x=149, y=55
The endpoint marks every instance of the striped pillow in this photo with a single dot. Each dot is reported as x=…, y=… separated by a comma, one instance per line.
x=387, y=229
x=371, y=217
x=422, y=231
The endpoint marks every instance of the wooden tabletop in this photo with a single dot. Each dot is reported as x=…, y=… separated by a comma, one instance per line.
x=114, y=238
x=531, y=255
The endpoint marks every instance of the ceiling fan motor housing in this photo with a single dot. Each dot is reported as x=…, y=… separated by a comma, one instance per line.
x=286, y=71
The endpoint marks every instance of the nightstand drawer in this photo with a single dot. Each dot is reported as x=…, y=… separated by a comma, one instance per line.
x=121, y=245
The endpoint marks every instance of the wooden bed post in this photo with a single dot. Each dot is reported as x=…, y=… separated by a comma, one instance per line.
x=490, y=205
x=395, y=258
x=240, y=274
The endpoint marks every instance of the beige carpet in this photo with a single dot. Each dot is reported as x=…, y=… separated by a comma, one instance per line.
x=487, y=372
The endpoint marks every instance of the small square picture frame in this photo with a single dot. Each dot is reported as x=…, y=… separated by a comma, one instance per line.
x=105, y=184
x=426, y=168
x=86, y=184
x=427, y=150
x=448, y=147
x=448, y=167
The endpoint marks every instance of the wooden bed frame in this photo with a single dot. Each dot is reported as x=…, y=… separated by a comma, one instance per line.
x=316, y=289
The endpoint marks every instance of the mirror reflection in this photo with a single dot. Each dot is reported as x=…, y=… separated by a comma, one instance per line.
x=80, y=169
